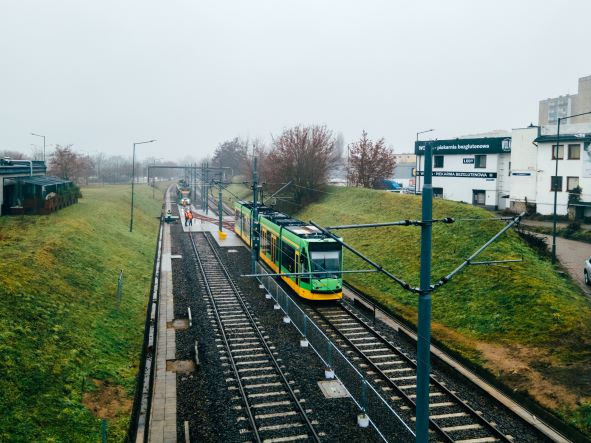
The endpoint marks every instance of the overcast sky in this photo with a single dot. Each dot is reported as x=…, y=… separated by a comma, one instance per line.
x=102, y=74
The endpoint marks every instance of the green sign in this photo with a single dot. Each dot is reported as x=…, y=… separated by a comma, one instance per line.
x=489, y=145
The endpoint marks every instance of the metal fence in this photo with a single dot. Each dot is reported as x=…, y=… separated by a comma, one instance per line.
x=381, y=415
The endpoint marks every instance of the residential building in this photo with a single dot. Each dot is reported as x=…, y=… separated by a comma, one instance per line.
x=553, y=108
x=534, y=159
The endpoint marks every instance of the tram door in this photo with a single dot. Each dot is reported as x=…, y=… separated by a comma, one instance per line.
x=297, y=267
x=273, y=243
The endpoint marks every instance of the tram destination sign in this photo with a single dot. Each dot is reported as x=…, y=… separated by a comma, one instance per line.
x=462, y=174
x=489, y=145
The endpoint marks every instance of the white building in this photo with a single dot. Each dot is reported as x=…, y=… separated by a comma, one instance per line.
x=534, y=160
x=471, y=170
x=523, y=168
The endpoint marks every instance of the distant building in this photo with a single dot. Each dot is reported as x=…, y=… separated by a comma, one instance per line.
x=553, y=108
x=405, y=158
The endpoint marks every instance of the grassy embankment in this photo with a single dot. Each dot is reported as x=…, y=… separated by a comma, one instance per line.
x=234, y=192
x=526, y=324
x=69, y=356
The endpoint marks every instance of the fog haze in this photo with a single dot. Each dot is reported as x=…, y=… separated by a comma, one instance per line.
x=103, y=74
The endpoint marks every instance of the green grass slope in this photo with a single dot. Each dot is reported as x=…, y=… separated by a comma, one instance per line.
x=526, y=324
x=65, y=346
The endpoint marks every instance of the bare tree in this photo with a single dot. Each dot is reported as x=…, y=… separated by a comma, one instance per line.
x=63, y=162
x=369, y=162
x=303, y=155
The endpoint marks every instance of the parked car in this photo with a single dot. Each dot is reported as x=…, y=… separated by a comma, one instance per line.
x=587, y=271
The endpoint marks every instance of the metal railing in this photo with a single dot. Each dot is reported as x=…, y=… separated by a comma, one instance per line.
x=380, y=413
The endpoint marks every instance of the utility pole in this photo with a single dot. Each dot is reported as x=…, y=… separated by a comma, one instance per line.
x=254, y=222
x=202, y=186
x=424, y=322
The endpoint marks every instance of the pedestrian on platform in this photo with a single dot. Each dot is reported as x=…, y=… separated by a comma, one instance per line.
x=190, y=214
x=186, y=217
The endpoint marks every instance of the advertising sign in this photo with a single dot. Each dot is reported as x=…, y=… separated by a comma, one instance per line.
x=469, y=161
x=488, y=145
x=462, y=174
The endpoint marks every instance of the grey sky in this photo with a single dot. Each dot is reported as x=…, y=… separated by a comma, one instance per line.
x=102, y=74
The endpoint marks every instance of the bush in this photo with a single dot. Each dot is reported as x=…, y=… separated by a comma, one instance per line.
x=573, y=227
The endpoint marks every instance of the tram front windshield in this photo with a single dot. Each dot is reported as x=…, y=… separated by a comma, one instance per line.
x=327, y=263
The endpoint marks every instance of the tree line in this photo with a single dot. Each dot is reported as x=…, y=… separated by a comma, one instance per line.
x=307, y=156
x=65, y=162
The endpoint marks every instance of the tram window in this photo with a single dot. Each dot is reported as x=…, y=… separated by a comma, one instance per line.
x=275, y=253
x=288, y=257
x=304, y=268
x=327, y=263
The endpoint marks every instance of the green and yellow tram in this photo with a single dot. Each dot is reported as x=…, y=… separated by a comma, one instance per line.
x=291, y=246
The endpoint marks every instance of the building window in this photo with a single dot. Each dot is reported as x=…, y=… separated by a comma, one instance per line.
x=572, y=183
x=480, y=161
x=560, y=152
x=556, y=184
x=574, y=152
x=437, y=192
x=509, y=169
x=438, y=161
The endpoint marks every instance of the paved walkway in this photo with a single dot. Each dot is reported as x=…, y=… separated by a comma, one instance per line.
x=163, y=409
x=572, y=255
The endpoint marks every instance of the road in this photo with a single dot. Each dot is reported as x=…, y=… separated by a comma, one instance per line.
x=572, y=255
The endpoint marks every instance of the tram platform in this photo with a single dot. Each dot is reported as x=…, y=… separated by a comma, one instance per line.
x=203, y=222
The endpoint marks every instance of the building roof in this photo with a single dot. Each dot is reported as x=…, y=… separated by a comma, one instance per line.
x=14, y=168
x=44, y=180
x=564, y=138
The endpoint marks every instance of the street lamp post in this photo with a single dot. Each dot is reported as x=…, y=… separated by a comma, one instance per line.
x=133, y=180
x=555, y=181
x=418, y=177
x=37, y=135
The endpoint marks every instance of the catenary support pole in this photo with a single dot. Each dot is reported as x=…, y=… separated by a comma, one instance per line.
x=424, y=326
x=206, y=188
x=220, y=205
x=254, y=231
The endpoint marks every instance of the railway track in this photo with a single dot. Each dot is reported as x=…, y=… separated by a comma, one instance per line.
x=267, y=397
x=394, y=372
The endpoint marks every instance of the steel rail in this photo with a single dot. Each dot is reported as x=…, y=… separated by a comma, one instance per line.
x=295, y=399
x=226, y=343
x=438, y=384
x=286, y=383
x=377, y=369
x=460, y=403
